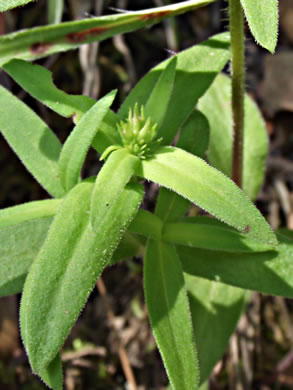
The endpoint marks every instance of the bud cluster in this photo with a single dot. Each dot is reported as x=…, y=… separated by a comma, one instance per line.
x=138, y=134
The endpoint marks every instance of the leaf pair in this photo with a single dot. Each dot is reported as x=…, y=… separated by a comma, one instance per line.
x=68, y=265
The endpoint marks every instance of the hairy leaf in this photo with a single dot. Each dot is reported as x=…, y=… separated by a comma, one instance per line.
x=110, y=183
x=77, y=144
x=203, y=185
x=43, y=41
x=158, y=101
x=194, y=137
x=262, y=17
x=267, y=272
x=52, y=375
x=216, y=105
x=169, y=313
x=32, y=140
x=146, y=224
x=5, y=5
x=170, y=206
x=196, y=66
x=215, y=311
x=66, y=269
x=202, y=235
x=38, y=82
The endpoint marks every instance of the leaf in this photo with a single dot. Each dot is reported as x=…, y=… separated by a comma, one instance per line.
x=169, y=313
x=32, y=140
x=77, y=144
x=42, y=41
x=22, y=232
x=170, y=206
x=66, y=269
x=158, y=101
x=216, y=105
x=203, y=185
x=146, y=224
x=211, y=56
x=194, y=137
x=204, y=236
x=110, y=183
x=38, y=82
x=262, y=17
x=267, y=272
x=52, y=375
x=130, y=246
x=5, y=5
x=215, y=311
x=55, y=11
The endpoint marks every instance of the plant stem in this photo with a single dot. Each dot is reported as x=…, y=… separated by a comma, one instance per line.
x=236, y=18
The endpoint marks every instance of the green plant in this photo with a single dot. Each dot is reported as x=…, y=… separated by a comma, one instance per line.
x=63, y=244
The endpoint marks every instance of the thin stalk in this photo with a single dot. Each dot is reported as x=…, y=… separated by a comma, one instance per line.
x=236, y=19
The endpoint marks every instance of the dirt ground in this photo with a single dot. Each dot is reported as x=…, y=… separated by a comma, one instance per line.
x=112, y=341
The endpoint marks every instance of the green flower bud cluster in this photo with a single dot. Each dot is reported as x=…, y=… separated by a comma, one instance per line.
x=138, y=134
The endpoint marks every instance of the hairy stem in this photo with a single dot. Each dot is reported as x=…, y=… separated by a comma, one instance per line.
x=236, y=18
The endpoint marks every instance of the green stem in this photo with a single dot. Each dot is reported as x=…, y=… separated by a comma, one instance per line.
x=236, y=18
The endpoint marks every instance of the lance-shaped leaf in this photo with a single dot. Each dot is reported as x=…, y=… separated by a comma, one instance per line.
x=52, y=375
x=38, y=82
x=158, y=101
x=32, y=140
x=194, y=179
x=147, y=225
x=194, y=139
x=211, y=56
x=169, y=313
x=202, y=235
x=77, y=144
x=262, y=17
x=67, y=267
x=131, y=245
x=22, y=232
x=215, y=311
x=5, y=5
x=267, y=272
x=195, y=134
x=216, y=105
x=110, y=183
x=42, y=41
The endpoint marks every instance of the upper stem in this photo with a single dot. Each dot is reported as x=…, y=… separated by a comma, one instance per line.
x=236, y=19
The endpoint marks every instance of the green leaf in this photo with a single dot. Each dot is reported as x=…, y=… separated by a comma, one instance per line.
x=169, y=313
x=203, y=185
x=28, y=211
x=130, y=246
x=262, y=17
x=77, y=144
x=202, y=235
x=146, y=224
x=170, y=206
x=42, y=41
x=32, y=140
x=195, y=134
x=110, y=183
x=5, y=5
x=215, y=311
x=211, y=56
x=55, y=11
x=38, y=82
x=267, y=272
x=216, y=105
x=158, y=101
x=66, y=269
x=22, y=232
x=52, y=375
